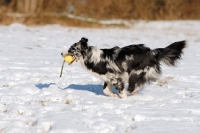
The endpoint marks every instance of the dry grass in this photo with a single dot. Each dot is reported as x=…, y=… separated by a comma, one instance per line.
x=165, y=81
x=39, y=12
x=68, y=102
x=46, y=19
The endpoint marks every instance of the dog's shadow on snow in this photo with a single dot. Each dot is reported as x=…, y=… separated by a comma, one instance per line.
x=42, y=86
x=95, y=88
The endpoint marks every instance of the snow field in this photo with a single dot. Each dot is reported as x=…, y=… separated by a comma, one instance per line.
x=33, y=98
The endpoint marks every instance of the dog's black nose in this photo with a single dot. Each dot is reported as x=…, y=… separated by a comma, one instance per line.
x=61, y=53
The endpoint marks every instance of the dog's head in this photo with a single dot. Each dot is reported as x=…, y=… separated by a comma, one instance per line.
x=77, y=50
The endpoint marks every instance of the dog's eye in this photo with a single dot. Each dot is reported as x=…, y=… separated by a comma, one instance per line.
x=72, y=49
x=78, y=50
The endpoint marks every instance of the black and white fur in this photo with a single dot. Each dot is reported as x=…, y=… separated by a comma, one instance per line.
x=135, y=64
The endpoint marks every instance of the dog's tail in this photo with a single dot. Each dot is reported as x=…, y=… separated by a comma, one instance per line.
x=170, y=54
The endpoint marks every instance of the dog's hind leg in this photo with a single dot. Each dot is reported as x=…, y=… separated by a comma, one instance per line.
x=107, y=90
x=136, y=89
x=135, y=83
x=132, y=82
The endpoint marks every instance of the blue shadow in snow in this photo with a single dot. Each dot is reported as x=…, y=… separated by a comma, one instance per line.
x=41, y=86
x=95, y=88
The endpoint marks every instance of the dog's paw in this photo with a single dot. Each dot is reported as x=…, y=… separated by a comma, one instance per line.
x=116, y=95
x=134, y=92
x=123, y=94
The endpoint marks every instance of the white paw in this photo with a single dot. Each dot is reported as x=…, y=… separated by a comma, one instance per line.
x=123, y=94
x=110, y=93
x=116, y=95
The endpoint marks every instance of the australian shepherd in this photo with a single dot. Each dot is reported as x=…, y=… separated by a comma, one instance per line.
x=135, y=64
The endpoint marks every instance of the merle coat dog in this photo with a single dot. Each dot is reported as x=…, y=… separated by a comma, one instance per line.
x=135, y=64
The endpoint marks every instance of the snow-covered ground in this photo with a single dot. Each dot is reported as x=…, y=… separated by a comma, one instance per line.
x=34, y=99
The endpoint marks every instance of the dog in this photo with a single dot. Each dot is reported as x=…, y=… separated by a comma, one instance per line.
x=135, y=64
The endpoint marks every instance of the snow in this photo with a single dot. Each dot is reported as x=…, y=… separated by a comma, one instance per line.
x=33, y=98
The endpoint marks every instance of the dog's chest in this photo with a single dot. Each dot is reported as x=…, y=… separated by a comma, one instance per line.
x=103, y=77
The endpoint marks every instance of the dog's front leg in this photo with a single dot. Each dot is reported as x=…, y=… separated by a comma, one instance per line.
x=107, y=90
x=121, y=89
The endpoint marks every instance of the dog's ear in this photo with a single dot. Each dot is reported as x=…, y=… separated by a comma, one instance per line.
x=84, y=42
x=83, y=39
x=84, y=46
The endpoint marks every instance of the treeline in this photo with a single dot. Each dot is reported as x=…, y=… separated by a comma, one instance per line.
x=101, y=9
